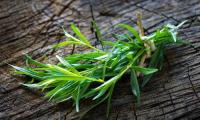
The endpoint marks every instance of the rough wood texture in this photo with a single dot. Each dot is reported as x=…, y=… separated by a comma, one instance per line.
x=32, y=26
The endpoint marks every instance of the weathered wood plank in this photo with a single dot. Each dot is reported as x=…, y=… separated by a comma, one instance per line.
x=33, y=26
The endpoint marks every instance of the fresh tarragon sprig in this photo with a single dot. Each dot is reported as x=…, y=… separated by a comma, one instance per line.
x=93, y=75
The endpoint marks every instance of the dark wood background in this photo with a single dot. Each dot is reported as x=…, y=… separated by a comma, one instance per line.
x=32, y=26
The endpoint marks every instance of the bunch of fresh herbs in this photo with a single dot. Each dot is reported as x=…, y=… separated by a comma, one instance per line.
x=93, y=75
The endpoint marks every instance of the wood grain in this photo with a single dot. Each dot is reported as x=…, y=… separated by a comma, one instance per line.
x=33, y=26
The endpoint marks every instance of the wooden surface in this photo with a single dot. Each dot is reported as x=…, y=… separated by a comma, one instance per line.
x=32, y=26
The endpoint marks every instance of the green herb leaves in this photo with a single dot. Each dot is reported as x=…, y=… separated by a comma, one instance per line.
x=93, y=75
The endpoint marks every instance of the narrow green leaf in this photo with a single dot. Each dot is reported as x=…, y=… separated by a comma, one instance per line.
x=30, y=60
x=108, y=43
x=109, y=100
x=132, y=30
x=65, y=43
x=32, y=86
x=83, y=66
x=72, y=38
x=67, y=64
x=134, y=85
x=156, y=57
x=101, y=93
x=89, y=56
x=60, y=69
x=145, y=71
x=62, y=91
x=181, y=24
x=77, y=99
x=79, y=34
x=173, y=36
x=28, y=72
x=182, y=42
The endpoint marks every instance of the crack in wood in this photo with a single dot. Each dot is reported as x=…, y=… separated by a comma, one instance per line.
x=175, y=98
x=196, y=94
x=157, y=13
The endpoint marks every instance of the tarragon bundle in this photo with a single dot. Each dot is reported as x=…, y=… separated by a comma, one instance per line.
x=93, y=75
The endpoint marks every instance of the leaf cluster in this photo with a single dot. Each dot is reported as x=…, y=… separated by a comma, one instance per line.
x=93, y=75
